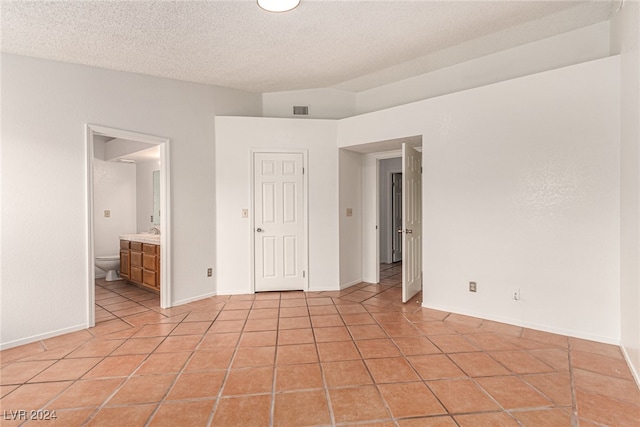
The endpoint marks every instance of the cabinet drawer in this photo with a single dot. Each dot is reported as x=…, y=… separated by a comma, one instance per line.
x=124, y=244
x=149, y=278
x=149, y=248
x=136, y=274
x=135, y=258
x=149, y=262
x=136, y=246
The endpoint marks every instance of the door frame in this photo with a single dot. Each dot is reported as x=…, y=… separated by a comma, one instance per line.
x=165, y=207
x=305, y=214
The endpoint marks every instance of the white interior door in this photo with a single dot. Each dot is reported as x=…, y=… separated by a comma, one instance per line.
x=411, y=221
x=396, y=212
x=279, y=222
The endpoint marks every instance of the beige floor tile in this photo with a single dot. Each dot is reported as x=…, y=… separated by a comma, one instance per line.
x=243, y=411
x=300, y=408
x=501, y=419
x=352, y=357
x=346, y=373
x=357, y=404
x=196, y=385
x=136, y=415
x=146, y=389
x=171, y=414
x=298, y=377
x=248, y=381
x=462, y=396
x=513, y=393
x=410, y=400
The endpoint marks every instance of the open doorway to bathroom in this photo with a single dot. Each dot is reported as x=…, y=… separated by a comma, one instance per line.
x=128, y=198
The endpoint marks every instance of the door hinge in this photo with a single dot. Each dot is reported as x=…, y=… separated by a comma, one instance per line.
x=420, y=169
x=302, y=171
x=304, y=274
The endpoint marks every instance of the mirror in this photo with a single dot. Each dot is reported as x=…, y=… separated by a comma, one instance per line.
x=156, y=198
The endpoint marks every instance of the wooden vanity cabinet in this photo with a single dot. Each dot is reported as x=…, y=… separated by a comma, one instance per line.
x=124, y=259
x=144, y=264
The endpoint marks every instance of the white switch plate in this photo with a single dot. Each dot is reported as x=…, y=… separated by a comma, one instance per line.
x=107, y=213
x=245, y=213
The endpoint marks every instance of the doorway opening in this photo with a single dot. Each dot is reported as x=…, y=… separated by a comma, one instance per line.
x=377, y=222
x=112, y=158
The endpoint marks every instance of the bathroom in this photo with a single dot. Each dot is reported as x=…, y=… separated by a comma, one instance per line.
x=126, y=199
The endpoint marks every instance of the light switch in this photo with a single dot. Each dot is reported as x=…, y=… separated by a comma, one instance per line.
x=107, y=213
x=245, y=213
x=349, y=212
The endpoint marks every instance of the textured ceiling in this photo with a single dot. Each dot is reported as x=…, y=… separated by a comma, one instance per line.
x=348, y=45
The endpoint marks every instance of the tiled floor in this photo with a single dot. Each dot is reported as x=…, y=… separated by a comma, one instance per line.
x=355, y=357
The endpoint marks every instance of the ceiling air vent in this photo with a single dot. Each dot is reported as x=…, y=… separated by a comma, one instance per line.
x=300, y=110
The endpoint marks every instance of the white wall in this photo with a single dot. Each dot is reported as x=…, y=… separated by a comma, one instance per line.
x=46, y=105
x=565, y=49
x=626, y=40
x=144, y=191
x=350, y=189
x=520, y=190
x=386, y=167
x=235, y=137
x=114, y=189
x=323, y=103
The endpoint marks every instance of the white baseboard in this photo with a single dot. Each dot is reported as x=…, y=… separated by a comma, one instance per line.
x=530, y=325
x=199, y=297
x=232, y=292
x=324, y=289
x=349, y=284
x=40, y=337
x=634, y=371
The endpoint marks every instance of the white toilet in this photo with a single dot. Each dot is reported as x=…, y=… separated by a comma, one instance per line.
x=111, y=265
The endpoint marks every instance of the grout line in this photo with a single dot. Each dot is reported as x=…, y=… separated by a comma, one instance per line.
x=575, y=421
x=379, y=308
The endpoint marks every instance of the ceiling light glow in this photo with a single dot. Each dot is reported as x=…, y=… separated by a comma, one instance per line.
x=278, y=5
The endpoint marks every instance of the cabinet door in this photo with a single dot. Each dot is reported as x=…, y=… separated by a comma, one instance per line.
x=136, y=274
x=158, y=267
x=124, y=264
x=149, y=278
x=149, y=262
x=136, y=259
x=148, y=248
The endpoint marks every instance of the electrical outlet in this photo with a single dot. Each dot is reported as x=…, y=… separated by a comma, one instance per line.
x=107, y=213
x=349, y=212
x=516, y=295
x=209, y=272
x=473, y=287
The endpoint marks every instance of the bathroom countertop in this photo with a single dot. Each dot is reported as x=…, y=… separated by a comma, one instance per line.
x=142, y=238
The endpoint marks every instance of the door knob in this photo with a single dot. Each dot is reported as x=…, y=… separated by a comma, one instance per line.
x=259, y=230
x=408, y=231
x=399, y=230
